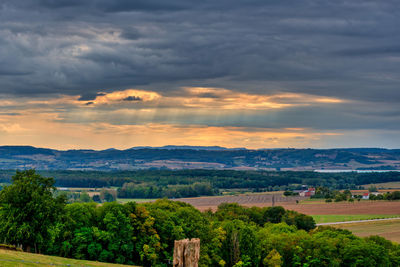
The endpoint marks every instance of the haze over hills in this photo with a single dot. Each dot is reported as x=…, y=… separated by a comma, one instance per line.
x=198, y=157
x=171, y=147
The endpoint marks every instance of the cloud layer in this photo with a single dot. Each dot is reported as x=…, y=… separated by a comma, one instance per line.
x=329, y=68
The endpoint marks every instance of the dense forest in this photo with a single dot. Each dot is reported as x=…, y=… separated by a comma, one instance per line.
x=33, y=218
x=192, y=183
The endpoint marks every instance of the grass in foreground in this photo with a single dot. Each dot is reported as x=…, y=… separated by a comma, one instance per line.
x=15, y=258
x=388, y=229
x=345, y=218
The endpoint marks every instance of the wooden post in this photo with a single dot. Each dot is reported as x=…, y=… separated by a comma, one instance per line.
x=186, y=253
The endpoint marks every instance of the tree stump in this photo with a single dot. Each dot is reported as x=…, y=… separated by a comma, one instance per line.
x=186, y=253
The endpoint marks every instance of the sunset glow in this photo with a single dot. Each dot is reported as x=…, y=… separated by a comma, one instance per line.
x=99, y=75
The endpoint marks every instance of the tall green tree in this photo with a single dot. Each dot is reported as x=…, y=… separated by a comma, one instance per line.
x=28, y=210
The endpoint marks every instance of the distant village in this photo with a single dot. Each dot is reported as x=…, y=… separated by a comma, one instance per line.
x=306, y=191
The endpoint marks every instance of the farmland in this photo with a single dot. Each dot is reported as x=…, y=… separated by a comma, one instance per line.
x=322, y=212
x=388, y=229
x=260, y=200
x=346, y=208
x=330, y=218
x=305, y=205
x=388, y=185
x=144, y=233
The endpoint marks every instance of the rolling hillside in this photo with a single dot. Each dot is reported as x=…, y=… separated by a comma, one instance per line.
x=186, y=157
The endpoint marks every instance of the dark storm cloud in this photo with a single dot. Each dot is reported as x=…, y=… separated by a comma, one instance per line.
x=132, y=98
x=343, y=49
x=208, y=95
x=371, y=51
x=89, y=96
x=130, y=34
x=13, y=72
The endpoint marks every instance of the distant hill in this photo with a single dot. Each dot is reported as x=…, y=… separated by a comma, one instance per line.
x=199, y=157
x=172, y=147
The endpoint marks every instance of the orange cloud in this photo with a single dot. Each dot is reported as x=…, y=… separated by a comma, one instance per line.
x=131, y=117
x=43, y=129
x=118, y=96
x=209, y=98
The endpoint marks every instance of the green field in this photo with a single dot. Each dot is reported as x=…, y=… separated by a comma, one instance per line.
x=14, y=258
x=345, y=218
x=388, y=229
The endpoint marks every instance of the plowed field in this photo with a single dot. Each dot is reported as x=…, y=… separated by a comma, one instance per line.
x=367, y=207
x=265, y=200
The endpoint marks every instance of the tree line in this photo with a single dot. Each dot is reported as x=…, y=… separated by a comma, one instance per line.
x=32, y=217
x=133, y=190
x=218, y=179
x=346, y=195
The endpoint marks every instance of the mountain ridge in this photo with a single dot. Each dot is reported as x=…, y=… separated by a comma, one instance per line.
x=198, y=157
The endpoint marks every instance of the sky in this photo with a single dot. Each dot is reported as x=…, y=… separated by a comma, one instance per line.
x=253, y=73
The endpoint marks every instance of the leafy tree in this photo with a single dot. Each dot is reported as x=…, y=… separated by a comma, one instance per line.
x=144, y=234
x=301, y=221
x=28, y=210
x=108, y=195
x=84, y=197
x=372, y=188
x=274, y=214
x=96, y=198
x=273, y=259
x=117, y=242
x=74, y=230
x=146, y=241
x=241, y=246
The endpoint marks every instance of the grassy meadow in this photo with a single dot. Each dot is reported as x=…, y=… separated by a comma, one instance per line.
x=389, y=229
x=10, y=258
x=346, y=217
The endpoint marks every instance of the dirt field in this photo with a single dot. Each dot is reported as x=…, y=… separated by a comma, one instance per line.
x=310, y=208
x=264, y=200
x=363, y=207
x=387, y=229
x=389, y=185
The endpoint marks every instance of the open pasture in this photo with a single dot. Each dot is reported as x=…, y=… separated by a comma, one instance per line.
x=330, y=218
x=388, y=229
